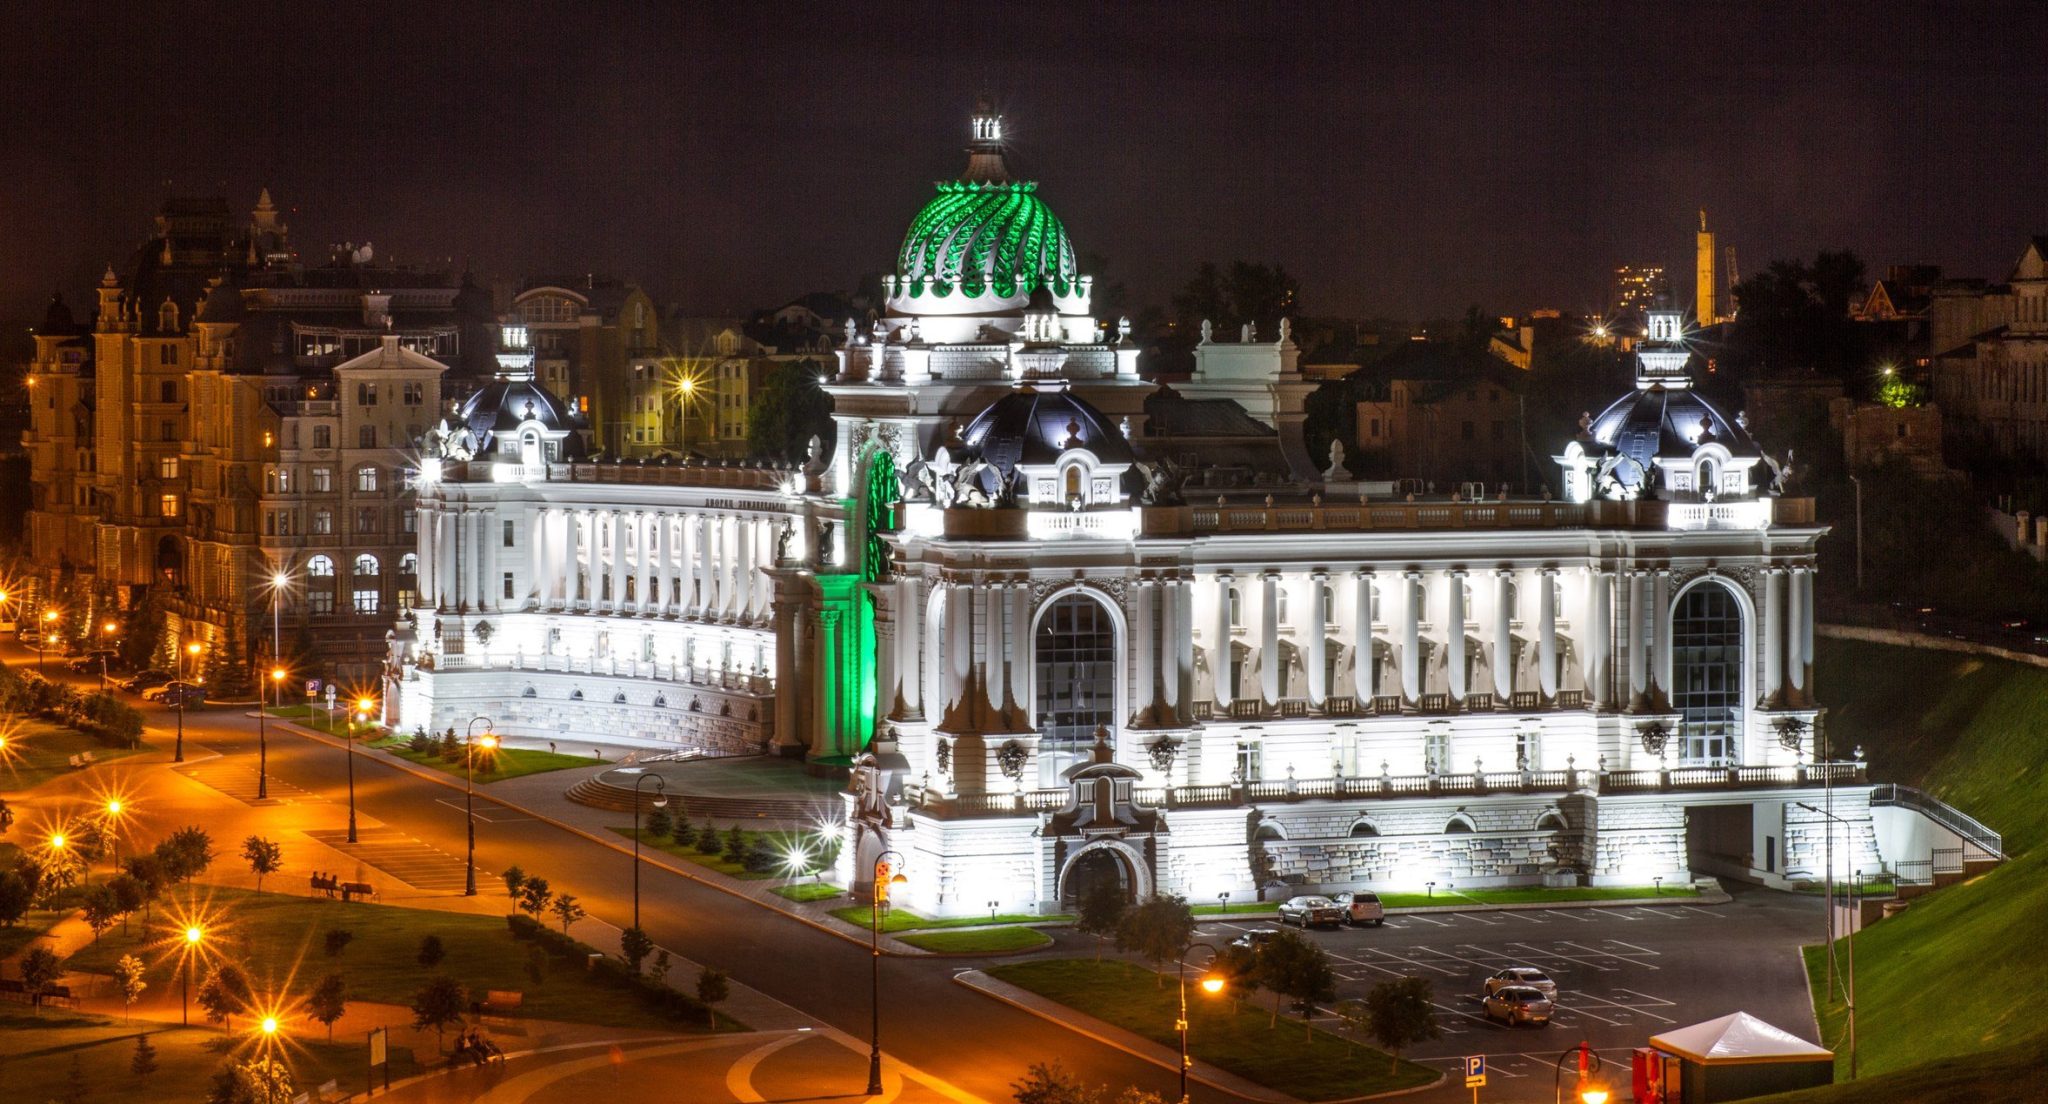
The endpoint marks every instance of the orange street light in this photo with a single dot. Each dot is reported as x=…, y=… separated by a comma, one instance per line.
x=194, y=935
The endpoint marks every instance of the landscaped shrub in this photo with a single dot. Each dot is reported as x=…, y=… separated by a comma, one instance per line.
x=607, y=969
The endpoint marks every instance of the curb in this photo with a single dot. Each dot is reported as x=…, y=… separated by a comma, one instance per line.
x=440, y=779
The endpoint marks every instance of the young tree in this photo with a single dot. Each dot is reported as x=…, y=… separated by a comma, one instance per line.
x=660, y=968
x=257, y=1081
x=708, y=842
x=263, y=856
x=536, y=964
x=128, y=974
x=1294, y=966
x=185, y=854
x=534, y=896
x=224, y=993
x=102, y=909
x=1101, y=912
x=735, y=845
x=148, y=871
x=1240, y=967
x=438, y=1004
x=328, y=1001
x=1402, y=1014
x=39, y=969
x=711, y=989
x=659, y=823
x=567, y=910
x=1158, y=930
x=127, y=897
x=634, y=946
x=1052, y=1084
x=17, y=893
x=431, y=951
x=682, y=831
x=144, y=1062
x=337, y=940
x=514, y=878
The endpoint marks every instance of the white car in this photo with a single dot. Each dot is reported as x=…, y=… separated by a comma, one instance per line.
x=1513, y=1004
x=1524, y=977
x=1363, y=908
x=1311, y=912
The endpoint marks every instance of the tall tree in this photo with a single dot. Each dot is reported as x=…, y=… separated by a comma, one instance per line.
x=39, y=969
x=128, y=974
x=328, y=1001
x=438, y=1004
x=1158, y=930
x=1402, y=1014
x=789, y=409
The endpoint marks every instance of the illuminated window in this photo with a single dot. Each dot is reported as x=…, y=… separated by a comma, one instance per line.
x=1076, y=660
x=320, y=567
x=323, y=479
x=167, y=505
x=269, y=439
x=366, y=564
x=1706, y=660
x=366, y=479
x=323, y=521
x=167, y=467
x=366, y=600
x=409, y=564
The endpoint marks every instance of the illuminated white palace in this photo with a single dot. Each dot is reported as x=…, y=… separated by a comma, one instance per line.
x=1064, y=624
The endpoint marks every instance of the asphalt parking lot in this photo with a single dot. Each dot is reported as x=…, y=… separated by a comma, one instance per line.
x=1623, y=974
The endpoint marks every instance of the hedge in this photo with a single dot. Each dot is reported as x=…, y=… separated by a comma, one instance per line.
x=612, y=971
x=101, y=716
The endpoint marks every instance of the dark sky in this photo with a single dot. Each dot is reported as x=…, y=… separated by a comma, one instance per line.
x=1401, y=159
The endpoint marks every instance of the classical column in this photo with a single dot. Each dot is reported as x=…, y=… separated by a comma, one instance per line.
x=1638, y=653
x=1269, y=636
x=1219, y=645
x=1546, y=632
x=1411, y=639
x=650, y=583
x=989, y=615
x=886, y=689
x=910, y=643
x=1799, y=637
x=664, y=549
x=1660, y=633
x=1454, y=632
x=1141, y=651
x=1774, y=635
x=1362, y=638
x=451, y=548
x=427, y=544
x=1181, y=646
x=1503, y=639
x=1319, y=638
x=743, y=568
x=704, y=592
x=618, y=601
x=1018, y=591
x=494, y=539
x=1599, y=635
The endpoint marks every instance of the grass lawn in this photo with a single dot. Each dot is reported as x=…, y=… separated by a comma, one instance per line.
x=809, y=891
x=1954, y=975
x=2008, y=1075
x=902, y=919
x=1527, y=895
x=279, y=940
x=713, y=861
x=37, y=1052
x=492, y=766
x=1242, y=908
x=980, y=940
x=1237, y=1038
x=38, y=751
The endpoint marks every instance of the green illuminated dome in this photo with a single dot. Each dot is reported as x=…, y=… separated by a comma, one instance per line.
x=979, y=237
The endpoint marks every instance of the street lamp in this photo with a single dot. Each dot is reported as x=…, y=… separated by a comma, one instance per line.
x=886, y=875
x=278, y=581
x=1589, y=1089
x=113, y=818
x=468, y=789
x=192, y=649
x=262, y=732
x=43, y=638
x=194, y=935
x=660, y=801
x=108, y=630
x=360, y=716
x=1213, y=983
x=687, y=388
x=1855, y=894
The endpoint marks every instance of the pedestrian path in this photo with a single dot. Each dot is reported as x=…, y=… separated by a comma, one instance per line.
x=238, y=779
x=417, y=864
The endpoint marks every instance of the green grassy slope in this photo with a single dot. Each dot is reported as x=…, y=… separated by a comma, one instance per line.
x=1959, y=971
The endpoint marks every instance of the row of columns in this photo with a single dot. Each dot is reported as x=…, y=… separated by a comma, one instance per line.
x=1788, y=618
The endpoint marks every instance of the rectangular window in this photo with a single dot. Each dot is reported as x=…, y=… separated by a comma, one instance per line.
x=167, y=505
x=169, y=391
x=323, y=437
x=406, y=523
x=366, y=479
x=415, y=394
x=1251, y=761
x=1436, y=750
x=167, y=467
x=320, y=598
x=408, y=598
x=508, y=584
x=323, y=521
x=366, y=437
x=323, y=480
x=366, y=601
x=284, y=480
x=167, y=430
x=366, y=394
x=167, y=353
x=508, y=537
x=366, y=519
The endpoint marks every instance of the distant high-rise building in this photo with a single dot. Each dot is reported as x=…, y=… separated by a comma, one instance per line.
x=1708, y=291
x=1637, y=288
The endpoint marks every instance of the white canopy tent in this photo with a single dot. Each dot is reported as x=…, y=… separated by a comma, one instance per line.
x=1738, y=1038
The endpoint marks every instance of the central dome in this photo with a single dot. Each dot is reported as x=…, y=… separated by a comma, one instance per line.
x=978, y=237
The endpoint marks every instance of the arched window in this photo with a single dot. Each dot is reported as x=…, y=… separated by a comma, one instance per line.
x=1236, y=608
x=320, y=567
x=1073, y=482
x=1706, y=673
x=1709, y=474
x=366, y=564
x=1459, y=825
x=1363, y=828
x=409, y=564
x=1076, y=660
x=529, y=448
x=1551, y=821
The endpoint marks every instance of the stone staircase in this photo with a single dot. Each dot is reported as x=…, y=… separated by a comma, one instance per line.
x=792, y=812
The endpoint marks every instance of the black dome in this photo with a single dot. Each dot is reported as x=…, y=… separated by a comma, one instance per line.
x=502, y=404
x=1665, y=421
x=1032, y=427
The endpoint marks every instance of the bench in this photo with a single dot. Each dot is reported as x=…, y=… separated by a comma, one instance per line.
x=352, y=890
x=503, y=1001
x=81, y=760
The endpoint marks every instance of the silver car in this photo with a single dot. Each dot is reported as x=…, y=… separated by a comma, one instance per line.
x=1311, y=912
x=1523, y=976
x=1519, y=1004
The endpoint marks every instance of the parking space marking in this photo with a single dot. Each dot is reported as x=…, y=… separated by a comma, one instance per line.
x=1461, y=958
x=1571, y=958
x=1570, y=916
x=1632, y=947
x=1430, y=920
x=1521, y=914
x=489, y=814
x=1479, y=919
x=1696, y=908
x=1661, y=914
x=1461, y=1012
x=1399, y=958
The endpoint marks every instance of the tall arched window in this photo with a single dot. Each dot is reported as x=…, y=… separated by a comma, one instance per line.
x=1706, y=673
x=1076, y=659
x=319, y=566
x=366, y=564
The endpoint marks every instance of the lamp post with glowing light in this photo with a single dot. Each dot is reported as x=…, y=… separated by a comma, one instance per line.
x=108, y=630
x=114, y=808
x=192, y=649
x=43, y=638
x=1589, y=1089
x=660, y=802
x=278, y=581
x=194, y=935
x=360, y=716
x=1212, y=983
x=687, y=388
x=468, y=801
x=262, y=731
x=886, y=875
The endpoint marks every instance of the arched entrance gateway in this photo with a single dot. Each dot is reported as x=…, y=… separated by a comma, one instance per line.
x=1104, y=862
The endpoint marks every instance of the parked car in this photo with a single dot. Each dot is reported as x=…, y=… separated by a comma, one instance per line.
x=143, y=680
x=1364, y=908
x=1513, y=1004
x=1255, y=938
x=1528, y=977
x=187, y=695
x=1311, y=912
x=90, y=662
x=163, y=692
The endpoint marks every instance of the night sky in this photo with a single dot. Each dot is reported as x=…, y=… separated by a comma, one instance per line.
x=1400, y=160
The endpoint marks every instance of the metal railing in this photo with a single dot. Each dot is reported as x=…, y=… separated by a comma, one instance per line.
x=1971, y=830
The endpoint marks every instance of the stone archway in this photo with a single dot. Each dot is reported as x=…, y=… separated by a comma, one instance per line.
x=1104, y=860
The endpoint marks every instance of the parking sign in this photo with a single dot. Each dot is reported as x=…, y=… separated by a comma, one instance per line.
x=1475, y=1070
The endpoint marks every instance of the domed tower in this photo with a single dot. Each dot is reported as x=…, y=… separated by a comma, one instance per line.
x=979, y=249
x=1663, y=440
